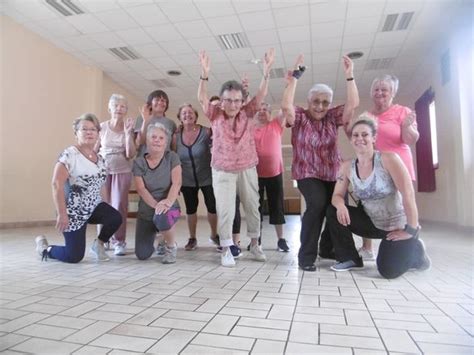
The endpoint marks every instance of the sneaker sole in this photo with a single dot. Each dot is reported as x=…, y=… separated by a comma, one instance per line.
x=283, y=250
x=348, y=269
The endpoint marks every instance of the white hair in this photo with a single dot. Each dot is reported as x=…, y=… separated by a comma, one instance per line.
x=386, y=78
x=320, y=89
x=157, y=127
x=116, y=98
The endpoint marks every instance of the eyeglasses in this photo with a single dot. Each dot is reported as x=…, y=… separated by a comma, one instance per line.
x=230, y=101
x=324, y=103
x=88, y=130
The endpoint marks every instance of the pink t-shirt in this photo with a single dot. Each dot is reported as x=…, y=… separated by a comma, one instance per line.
x=315, y=151
x=389, y=135
x=233, y=145
x=112, y=148
x=268, y=144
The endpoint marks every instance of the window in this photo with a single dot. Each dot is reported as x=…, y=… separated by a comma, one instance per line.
x=434, y=135
x=427, y=145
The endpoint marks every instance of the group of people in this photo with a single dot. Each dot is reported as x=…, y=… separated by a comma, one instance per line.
x=234, y=162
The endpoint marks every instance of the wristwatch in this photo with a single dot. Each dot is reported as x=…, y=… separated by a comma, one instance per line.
x=412, y=230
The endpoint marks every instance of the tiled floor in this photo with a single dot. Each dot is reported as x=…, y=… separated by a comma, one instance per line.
x=197, y=306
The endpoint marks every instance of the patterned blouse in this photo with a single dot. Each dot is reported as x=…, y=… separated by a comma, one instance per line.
x=315, y=150
x=82, y=189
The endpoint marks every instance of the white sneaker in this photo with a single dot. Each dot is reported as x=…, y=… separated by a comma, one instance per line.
x=257, y=252
x=227, y=258
x=120, y=249
x=366, y=254
x=98, y=250
x=161, y=248
x=170, y=254
x=42, y=246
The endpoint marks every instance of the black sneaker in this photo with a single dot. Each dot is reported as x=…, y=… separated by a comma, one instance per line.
x=215, y=240
x=283, y=246
x=310, y=268
x=236, y=251
x=259, y=243
x=192, y=244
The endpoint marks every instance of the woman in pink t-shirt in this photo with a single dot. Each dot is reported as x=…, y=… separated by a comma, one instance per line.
x=397, y=130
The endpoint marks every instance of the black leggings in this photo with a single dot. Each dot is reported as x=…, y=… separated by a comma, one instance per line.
x=75, y=247
x=191, y=200
x=317, y=195
x=394, y=257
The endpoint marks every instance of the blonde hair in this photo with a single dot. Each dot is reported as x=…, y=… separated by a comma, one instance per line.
x=85, y=117
x=368, y=119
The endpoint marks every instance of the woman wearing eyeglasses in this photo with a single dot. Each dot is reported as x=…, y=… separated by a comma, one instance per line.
x=78, y=187
x=316, y=156
x=234, y=157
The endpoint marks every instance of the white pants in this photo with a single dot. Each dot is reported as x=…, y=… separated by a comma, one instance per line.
x=226, y=186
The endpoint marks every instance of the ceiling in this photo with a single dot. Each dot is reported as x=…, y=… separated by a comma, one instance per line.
x=167, y=35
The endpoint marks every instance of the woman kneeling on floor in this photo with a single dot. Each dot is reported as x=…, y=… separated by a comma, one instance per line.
x=387, y=208
x=158, y=180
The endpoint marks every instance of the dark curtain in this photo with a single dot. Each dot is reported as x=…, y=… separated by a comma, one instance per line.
x=424, y=157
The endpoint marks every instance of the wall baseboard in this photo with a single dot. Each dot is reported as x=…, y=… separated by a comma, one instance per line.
x=8, y=225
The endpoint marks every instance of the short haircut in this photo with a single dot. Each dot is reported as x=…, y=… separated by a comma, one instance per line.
x=231, y=85
x=117, y=98
x=387, y=78
x=85, y=117
x=367, y=119
x=187, y=105
x=214, y=98
x=155, y=127
x=320, y=89
x=159, y=94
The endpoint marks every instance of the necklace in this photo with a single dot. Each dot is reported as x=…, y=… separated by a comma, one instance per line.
x=87, y=155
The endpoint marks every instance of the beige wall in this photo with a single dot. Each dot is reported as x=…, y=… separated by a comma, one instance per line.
x=42, y=90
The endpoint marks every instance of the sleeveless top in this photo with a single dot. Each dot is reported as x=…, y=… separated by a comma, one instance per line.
x=112, y=148
x=195, y=159
x=380, y=198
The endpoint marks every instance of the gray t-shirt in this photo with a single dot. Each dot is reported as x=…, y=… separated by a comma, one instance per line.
x=157, y=181
x=169, y=124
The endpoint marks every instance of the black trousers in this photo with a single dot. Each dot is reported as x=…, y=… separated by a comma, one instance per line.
x=394, y=257
x=317, y=194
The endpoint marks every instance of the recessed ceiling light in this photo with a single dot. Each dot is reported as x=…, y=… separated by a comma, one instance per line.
x=173, y=72
x=355, y=55
x=255, y=61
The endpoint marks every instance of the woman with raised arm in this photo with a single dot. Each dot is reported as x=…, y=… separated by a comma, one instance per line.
x=234, y=157
x=397, y=130
x=387, y=208
x=117, y=146
x=316, y=156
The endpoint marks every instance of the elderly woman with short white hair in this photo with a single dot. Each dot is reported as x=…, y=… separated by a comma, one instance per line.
x=78, y=187
x=316, y=156
x=158, y=182
x=117, y=146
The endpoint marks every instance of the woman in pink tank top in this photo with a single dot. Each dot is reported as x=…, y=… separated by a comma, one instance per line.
x=397, y=130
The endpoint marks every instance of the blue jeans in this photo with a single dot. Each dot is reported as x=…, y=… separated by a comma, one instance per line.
x=74, y=250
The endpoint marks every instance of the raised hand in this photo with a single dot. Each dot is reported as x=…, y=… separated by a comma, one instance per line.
x=145, y=111
x=205, y=62
x=268, y=60
x=348, y=66
x=129, y=125
x=299, y=61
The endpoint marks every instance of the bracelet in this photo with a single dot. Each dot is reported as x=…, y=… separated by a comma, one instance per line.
x=350, y=79
x=205, y=79
x=411, y=230
x=297, y=73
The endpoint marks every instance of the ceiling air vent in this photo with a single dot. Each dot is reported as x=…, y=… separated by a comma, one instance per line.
x=65, y=7
x=397, y=22
x=123, y=53
x=379, y=64
x=277, y=73
x=163, y=83
x=233, y=41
